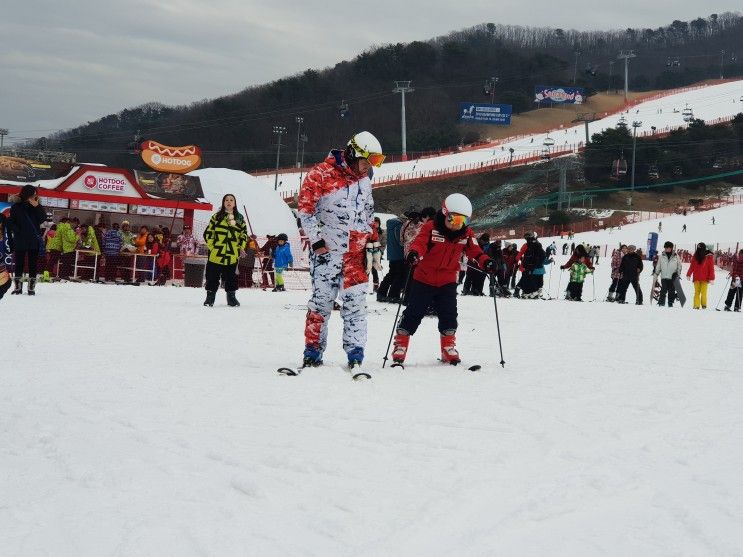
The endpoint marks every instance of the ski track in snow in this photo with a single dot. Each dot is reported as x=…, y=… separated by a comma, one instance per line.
x=137, y=422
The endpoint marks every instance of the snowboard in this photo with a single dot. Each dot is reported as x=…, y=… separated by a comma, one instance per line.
x=680, y=296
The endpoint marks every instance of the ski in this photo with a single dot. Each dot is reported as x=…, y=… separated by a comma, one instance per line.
x=355, y=375
x=475, y=367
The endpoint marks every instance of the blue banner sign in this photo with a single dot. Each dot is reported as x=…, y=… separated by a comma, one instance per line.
x=476, y=113
x=559, y=95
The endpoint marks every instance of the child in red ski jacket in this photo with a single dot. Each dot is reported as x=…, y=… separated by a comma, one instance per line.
x=435, y=255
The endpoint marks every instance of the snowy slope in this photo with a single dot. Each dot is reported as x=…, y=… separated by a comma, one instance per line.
x=727, y=230
x=164, y=430
x=707, y=103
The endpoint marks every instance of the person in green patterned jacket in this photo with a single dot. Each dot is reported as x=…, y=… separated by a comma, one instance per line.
x=578, y=272
x=226, y=237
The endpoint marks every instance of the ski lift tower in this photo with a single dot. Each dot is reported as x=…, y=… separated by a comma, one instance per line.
x=563, y=164
x=626, y=55
x=403, y=87
x=586, y=118
x=636, y=124
x=3, y=133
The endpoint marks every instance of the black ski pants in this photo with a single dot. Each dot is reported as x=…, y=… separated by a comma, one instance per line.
x=394, y=280
x=216, y=272
x=624, y=285
x=667, y=288
x=734, y=293
x=20, y=261
x=474, y=282
x=421, y=296
x=575, y=290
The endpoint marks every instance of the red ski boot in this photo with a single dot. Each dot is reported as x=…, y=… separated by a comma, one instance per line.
x=400, y=348
x=449, y=354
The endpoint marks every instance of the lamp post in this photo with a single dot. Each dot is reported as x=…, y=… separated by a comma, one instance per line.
x=298, y=120
x=303, y=139
x=636, y=124
x=3, y=133
x=279, y=131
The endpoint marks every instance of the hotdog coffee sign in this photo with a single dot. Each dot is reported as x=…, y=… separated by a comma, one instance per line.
x=164, y=158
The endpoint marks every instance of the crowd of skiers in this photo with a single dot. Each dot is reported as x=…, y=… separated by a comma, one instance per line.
x=41, y=248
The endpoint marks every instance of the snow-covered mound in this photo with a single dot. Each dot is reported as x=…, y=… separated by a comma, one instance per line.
x=613, y=430
x=266, y=210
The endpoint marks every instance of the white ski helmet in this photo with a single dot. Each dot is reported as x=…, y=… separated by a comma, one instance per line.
x=365, y=146
x=457, y=203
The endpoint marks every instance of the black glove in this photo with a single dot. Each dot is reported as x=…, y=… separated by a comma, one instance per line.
x=674, y=276
x=489, y=266
x=413, y=258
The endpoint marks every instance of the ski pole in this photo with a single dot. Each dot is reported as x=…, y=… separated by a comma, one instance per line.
x=723, y=293
x=397, y=315
x=549, y=282
x=559, y=282
x=593, y=278
x=497, y=325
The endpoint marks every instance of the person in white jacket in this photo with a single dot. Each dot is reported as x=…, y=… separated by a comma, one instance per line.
x=668, y=269
x=336, y=210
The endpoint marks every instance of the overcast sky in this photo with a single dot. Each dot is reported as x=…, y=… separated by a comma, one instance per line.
x=63, y=63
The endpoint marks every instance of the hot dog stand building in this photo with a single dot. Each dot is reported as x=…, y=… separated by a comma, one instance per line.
x=100, y=193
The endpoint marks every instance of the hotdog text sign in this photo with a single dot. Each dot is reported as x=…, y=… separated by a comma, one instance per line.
x=177, y=160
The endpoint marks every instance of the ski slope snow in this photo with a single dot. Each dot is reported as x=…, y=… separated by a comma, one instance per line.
x=707, y=103
x=726, y=232
x=137, y=422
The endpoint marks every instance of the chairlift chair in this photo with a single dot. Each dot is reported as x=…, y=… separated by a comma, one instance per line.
x=343, y=109
x=546, y=144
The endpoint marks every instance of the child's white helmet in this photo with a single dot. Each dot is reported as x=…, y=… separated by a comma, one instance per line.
x=457, y=203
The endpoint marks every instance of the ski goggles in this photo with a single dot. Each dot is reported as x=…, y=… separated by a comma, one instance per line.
x=375, y=159
x=457, y=220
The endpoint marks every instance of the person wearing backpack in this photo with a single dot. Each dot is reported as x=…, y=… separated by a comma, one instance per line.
x=531, y=257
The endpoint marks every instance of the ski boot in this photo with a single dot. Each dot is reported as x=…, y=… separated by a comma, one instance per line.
x=312, y=357
x=516, y=293
x=449, y=354
x=18, y=286
x=610, y=297
x=32, y=287
x=400, y=348
x=355, y=357
x=727, y=308
x=210, y=297
x=232, y=300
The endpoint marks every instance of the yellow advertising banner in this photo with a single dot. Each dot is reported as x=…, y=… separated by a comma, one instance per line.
x=163, y=158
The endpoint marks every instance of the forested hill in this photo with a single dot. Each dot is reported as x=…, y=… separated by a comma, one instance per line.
x=236, y=131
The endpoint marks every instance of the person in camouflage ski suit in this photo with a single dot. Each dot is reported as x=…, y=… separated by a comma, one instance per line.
x=336, y=210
